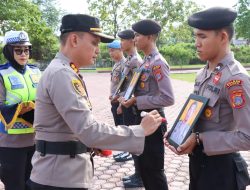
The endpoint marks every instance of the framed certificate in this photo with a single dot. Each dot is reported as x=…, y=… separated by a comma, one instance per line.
x=119, y=86
x=132, y=84
x=186, y=120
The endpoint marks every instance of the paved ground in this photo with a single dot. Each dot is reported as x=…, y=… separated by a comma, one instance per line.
x=108, y=173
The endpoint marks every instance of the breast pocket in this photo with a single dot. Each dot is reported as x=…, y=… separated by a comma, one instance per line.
x=143, y=83
x=212, y=111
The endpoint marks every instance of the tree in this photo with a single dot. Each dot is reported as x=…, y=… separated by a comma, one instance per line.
x=50, y=13
x=116, y=15
x=24, y=15
x=242, y=22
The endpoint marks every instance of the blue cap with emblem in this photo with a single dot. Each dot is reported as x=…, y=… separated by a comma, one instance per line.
x=16, y=38
x=116, y=44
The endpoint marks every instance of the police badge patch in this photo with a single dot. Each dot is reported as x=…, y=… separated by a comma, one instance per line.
x=237, y=98
x=78, y=87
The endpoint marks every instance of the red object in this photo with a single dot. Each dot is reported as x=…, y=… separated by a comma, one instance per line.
x=106, y=152
x=163, y=120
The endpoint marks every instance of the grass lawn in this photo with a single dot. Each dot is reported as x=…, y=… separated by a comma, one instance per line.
x=189, y=77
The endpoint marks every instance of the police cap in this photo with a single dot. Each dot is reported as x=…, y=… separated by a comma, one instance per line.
x=212, y=18
x=83, y=23
x=20, y=38
x=146, y=27
x=126, y=34
x=114, y=45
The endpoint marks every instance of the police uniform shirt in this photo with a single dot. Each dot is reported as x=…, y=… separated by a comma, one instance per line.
x=116, y=75
x=14, y=141
x=132, y=63
x=225, y=122
x=63, y=114
x=154, y=89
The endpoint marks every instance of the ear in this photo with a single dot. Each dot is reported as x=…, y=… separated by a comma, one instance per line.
x=73, y=40
x=224, y=36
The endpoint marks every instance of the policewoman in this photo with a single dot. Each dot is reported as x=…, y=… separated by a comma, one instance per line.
x=117, y=56
x=223, y=129
x=18, y=84
x=130, y=114
x=154, y=91
x=65, y=125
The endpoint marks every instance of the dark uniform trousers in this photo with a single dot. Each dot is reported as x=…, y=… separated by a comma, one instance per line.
x=220, y=172
x=16, y=167
x=151, y=161
x=130, y=117
x=36, y=186
x=118, y=119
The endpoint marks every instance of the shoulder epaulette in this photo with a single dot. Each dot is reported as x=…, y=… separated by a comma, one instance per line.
x=32, y=65
x=236, y=68
x=4, y=66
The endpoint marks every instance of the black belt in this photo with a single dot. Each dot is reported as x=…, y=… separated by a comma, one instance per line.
x=61, y=148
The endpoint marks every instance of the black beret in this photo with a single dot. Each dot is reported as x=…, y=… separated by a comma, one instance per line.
x=83, y=23
x=212, y=18
x=146, y=27
x=126, y=34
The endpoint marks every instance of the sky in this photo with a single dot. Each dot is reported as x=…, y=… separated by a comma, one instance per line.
x=80, y=6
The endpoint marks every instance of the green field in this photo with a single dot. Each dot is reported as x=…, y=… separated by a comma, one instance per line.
x=189, y=77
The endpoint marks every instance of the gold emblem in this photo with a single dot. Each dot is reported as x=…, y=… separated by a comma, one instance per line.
x=78, y=87
x=208, y=112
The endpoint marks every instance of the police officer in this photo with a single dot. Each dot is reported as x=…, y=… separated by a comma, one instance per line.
x=223, y=129
x=129, y=114
x=65, y=125
x=154, y=91
x=18, y=84
x=117, y=56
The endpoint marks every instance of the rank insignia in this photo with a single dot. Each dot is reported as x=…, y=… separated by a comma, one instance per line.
x=234, y=83
x=237, y=98
x=78, y=87
x=142, y=85
x=217, y=78
x=208, y=112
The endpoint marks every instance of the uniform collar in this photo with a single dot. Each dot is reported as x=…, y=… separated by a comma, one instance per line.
x=152, y=54
x=62, y=57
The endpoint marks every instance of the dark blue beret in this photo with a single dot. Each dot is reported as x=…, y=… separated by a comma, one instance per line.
x=83, y=23
x=212, y=18
x=146, y=27
x=126, y=34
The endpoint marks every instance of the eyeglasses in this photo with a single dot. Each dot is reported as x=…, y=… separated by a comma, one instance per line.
x=20, y=51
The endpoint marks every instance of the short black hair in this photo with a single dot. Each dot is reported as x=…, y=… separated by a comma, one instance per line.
x=64, y=36
x=229, y=30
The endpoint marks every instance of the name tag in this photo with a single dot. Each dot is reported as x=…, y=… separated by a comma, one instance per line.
x=15, y=82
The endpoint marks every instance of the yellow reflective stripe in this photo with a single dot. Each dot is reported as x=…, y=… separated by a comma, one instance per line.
x=20, y=131
x=11, y=98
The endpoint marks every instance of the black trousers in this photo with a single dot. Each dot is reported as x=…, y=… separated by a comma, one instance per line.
x=227, y=171
x=118, y=119
x=16, y=167
x=36, y=186
x=130, y=117
x=151, y=161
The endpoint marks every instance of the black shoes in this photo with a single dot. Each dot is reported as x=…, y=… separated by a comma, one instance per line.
x=122, y=157
x=132, y=181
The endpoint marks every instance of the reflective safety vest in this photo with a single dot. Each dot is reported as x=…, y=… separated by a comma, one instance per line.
x=21, y=90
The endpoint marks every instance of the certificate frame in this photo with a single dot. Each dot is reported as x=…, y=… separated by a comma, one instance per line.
x=119, y=86
x=132, y=84
x=186, y=120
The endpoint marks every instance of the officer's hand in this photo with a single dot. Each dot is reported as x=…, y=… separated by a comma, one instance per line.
x=188, y=146
x=25, y=109
x=129, y=102
x=172, y=148
x=119, y=109
x=115, y=99
x=151, y=122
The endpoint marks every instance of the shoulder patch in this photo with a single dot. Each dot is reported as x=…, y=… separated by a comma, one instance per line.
x=157, y=72
x=77, y=85
x=237, y=98
x=234, y=83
